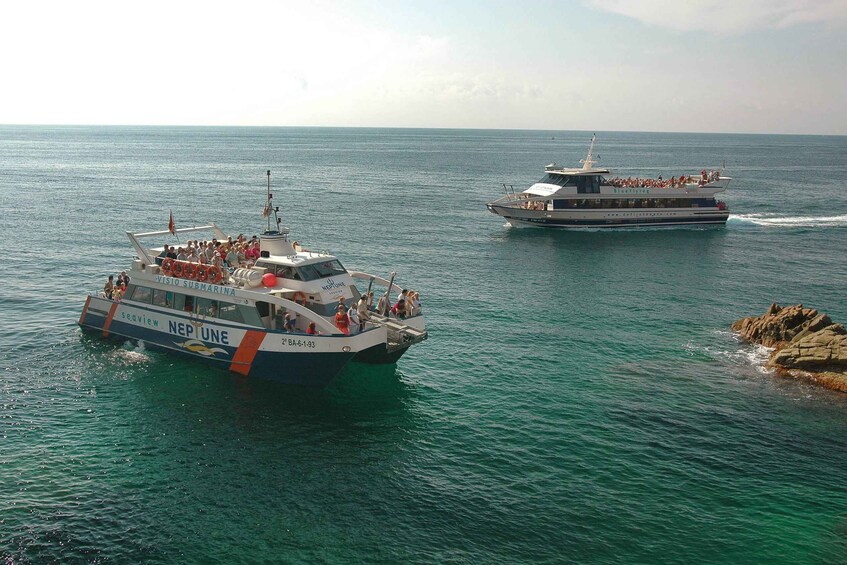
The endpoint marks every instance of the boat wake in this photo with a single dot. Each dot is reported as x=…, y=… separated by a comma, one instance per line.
x=131, y=354
x=774, y=220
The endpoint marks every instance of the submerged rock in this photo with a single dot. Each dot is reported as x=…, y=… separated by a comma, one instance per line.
x=807, y=344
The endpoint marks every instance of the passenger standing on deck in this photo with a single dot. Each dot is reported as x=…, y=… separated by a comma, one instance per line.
x=353, y=316
x=311, y=329
x=289, y=323
x=362, y=311
x=370, y=301
x=232, y=257
x=110, y=286
x=382, y=305
x=123, y=278
x=342, y=322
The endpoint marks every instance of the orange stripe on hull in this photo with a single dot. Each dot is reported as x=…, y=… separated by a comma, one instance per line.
x=246, y=352
x=108, y=322
x=84, y=310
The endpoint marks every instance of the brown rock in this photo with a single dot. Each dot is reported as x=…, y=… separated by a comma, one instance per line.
x=806, y=343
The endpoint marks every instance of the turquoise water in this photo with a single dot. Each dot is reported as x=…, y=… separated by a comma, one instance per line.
x=580, y=397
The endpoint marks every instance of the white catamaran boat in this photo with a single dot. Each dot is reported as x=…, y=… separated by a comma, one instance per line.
x=588, y=198
x=275, y=319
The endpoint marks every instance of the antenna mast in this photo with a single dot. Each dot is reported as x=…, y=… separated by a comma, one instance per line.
x=270, y=208
x=589, y=161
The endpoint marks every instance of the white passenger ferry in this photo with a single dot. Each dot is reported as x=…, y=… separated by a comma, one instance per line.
x=235, y=320
x=589, y=198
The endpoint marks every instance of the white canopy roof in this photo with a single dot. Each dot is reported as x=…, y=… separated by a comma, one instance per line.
x=543, y=189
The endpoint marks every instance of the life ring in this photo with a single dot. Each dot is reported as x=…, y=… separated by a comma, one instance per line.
x=177, y=269
x=214, y=274
x=299, y=298
x=189, y=271
x=202, y=273
x=167, y=266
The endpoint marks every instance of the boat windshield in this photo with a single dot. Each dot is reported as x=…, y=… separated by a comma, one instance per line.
x=321, y=270
x=560, y=180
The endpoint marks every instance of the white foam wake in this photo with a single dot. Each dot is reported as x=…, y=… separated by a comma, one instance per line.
x=773, y=220
x=746, y=354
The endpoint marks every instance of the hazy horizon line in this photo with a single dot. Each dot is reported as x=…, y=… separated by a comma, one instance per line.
x=435, y=128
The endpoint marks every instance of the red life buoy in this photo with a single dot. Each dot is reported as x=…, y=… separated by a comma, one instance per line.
x=177, y=269
x=202, y=273
x=215, y=275
x=167, y=266
x=299, y=298
x=189, y=271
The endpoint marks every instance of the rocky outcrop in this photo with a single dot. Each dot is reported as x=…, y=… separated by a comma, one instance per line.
x=807, y=344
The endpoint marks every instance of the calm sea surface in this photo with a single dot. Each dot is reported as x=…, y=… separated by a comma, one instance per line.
x=580, y=398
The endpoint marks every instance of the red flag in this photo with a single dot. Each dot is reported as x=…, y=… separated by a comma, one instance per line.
x=171, y=225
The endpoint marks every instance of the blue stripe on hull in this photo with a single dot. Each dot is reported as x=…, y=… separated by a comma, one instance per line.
x=556, y=223
x=313, y=369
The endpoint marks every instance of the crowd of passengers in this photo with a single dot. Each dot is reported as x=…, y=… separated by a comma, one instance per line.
x=705, y=178
x=232, y=253
x=115, y=289
x=355, y=318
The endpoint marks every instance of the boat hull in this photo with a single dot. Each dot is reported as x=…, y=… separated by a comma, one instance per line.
x=279, y=356
x=609, y=219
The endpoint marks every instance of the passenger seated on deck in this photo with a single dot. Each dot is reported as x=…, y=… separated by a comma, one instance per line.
x=109, y=287
x=162, y=256
x=119, y=291
x=312, y=329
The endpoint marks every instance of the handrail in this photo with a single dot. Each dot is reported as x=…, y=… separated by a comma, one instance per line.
x=310, y=315
x=369, y=277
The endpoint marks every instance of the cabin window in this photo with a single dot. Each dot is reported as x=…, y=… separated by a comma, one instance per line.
x=163, y=298
x=589, y=184
x=264, y=309
x=142, y=294
x=231, y=313
x=206, y=307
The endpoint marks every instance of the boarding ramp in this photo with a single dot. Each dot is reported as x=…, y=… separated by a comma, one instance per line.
x=400, y=336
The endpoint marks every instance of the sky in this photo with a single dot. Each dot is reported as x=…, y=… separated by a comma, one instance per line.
x=754, y=66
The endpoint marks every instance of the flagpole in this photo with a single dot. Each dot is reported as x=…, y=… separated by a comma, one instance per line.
x=172, y=226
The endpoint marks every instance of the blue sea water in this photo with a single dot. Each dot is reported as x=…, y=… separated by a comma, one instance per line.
x=580, y=399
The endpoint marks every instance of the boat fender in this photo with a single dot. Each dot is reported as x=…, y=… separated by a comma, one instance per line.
x=167, y=266
x=215, y=275
x=177, y=269
x=202, y=273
